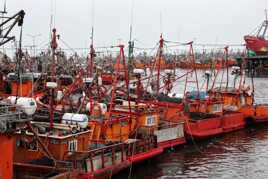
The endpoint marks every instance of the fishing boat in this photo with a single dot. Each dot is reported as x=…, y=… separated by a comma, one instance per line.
x=96, y=143
x=90, y=121
x=261, y=113
x=258, y=42
x=218, y=110
x=169, y=130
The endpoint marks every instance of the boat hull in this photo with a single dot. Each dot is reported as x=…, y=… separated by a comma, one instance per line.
x=172, y=143
x=206, y=128
x=261, y=114
x=203, y=129
x=233, y=121
x=259, y=46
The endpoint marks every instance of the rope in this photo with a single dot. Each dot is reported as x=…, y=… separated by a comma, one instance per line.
x=133, y=150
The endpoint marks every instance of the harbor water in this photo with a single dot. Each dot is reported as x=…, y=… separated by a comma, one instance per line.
x=241, y=154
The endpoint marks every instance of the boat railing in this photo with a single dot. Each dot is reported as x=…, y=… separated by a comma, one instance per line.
x=169, y=124
x=10, y=115
x=260, y=101
x=109, y=156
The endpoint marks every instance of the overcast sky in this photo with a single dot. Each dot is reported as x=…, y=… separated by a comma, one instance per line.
x=207, y=21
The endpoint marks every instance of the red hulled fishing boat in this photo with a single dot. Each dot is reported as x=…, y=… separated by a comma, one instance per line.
x=258, y=42
x=215, y=111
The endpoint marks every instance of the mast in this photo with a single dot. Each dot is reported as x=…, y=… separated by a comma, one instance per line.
x=92, y=55
x=131, y=42
x=54, y=46
x=226, y=66
x=120, y=57
x=264, y=26
x=265, y=23
x=266, y=17
x=126, y=75
x=2, y=17
x=161, y=45
x=130, y=49
x=5, y=8
x=192, y=56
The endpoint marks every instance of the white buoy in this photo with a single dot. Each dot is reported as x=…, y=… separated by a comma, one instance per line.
x=88, y=80
x=138, y=71
x=88, y=106
x=207, y=72
x=175, y=95
x=51, y=85
x=99, y=81
x=168, y=71
x=59, y=95
x=28, y=105
x=103, y=108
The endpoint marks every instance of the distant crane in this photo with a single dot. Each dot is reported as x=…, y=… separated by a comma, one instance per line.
x=8, y=24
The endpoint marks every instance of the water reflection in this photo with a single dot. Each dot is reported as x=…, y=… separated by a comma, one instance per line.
x=241, y=154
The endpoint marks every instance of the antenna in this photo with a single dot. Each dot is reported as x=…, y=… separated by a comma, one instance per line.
x=161, y=23
x=92, y=35
x=131, y=20
x=92, y=50
x=50, y=29
x=5, y=7
x=265, y=11
x=131, y=42
x=51, y=25
x=92, y=21
x=92, y=24
x=265, y=24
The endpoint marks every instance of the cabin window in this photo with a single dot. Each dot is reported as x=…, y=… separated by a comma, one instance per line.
x=54, y=141
x=72, y=145
x=217, y=108
x=33, y=146
x=150, y=120
x=124, y=123
x=28, y=145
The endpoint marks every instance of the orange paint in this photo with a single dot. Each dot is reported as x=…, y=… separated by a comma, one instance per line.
x=262, y=110
x=57, y=146
x=23, y=90
x=6, y=157
x=200, y=129
x=248, y=111
x=232, y=121
x=153, y=121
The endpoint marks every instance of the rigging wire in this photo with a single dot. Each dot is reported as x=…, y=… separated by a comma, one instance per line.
x=68, y=46
x=202, y=44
